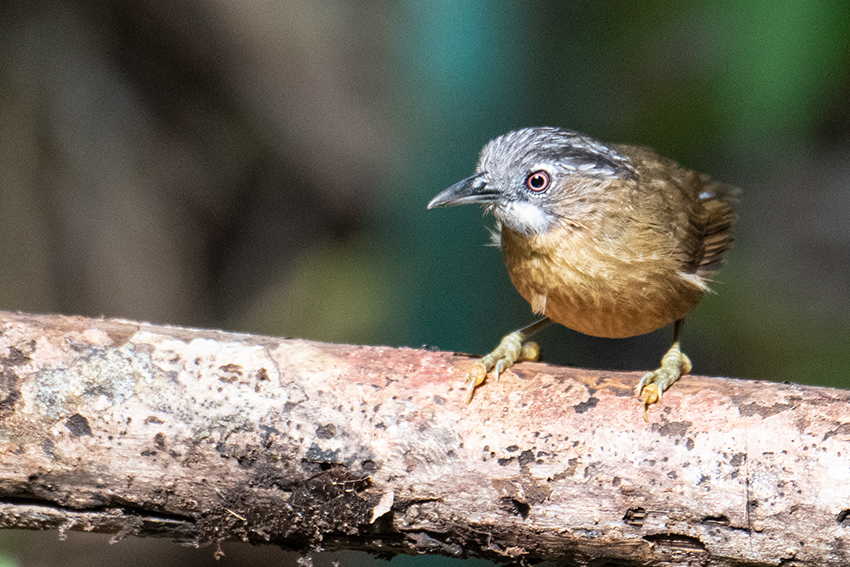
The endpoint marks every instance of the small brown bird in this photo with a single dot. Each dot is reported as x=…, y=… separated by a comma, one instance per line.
x=610, y=240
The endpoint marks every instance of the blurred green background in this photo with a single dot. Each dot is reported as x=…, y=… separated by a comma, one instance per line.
x=264, y=165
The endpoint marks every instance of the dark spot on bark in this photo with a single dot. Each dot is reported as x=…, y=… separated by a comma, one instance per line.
x=536, y=492
x=262, y=375
x=78, y=426
x=843, y=517
x=721, y=520
x=521, y=508
x=326, y=431
x=672, y=475
x=512, y=448
x=525, y=458
x=159, y=441
x=231, y=368
x=519, y=373
x=424, y=543
x=152, y=419
x=635, y=516
x=673, y=428
x=9, y=392
x=368, y=465
x=439, y=400
x=246, y=455
x=515, y=507
x=738, y=459
x=621, y=392
x=689, y=444
x=148, y=453
x=316, y=455
x=505, y=462
x=335, y=499
x=747, y=410
x=266, y=434
x=584, y=406
x=17, y=356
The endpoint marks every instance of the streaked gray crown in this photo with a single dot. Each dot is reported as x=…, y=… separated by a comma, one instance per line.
x=570, y=152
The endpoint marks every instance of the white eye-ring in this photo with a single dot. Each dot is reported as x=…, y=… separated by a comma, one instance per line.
x=538, y=181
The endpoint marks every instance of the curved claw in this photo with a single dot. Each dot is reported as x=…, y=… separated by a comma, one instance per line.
x=648, y=396
x=475, y=377
x=510, y=351
x=512, y=348
x=650, y=389
x=501, y=366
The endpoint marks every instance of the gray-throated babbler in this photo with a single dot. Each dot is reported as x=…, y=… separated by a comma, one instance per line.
x=609, y=240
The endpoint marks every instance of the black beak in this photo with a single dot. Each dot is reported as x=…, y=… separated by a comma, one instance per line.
x=471, y=190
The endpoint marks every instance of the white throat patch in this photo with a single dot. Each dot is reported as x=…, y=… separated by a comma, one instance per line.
x=524, y=217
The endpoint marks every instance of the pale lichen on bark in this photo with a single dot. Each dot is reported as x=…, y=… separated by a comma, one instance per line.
x=199, y=435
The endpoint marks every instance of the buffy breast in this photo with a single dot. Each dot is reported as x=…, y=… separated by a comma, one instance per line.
x=590, y=289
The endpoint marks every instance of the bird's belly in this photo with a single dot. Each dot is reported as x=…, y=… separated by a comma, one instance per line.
x=597, y=293
x=605, y=313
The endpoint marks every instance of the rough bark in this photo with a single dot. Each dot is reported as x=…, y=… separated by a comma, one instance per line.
x=197, y=435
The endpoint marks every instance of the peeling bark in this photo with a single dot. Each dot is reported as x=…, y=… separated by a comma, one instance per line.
x=136, y=429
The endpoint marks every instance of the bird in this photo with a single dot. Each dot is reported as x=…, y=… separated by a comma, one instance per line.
x=610, y=240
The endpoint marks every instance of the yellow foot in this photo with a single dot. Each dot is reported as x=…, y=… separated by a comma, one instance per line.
x=512, y=349
x=674, y=364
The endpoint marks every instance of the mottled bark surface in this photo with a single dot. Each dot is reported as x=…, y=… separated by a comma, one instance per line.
x=199, y=435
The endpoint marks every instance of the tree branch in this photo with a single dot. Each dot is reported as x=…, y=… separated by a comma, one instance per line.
x=138, y=429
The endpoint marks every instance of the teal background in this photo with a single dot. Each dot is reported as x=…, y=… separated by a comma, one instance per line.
x=264, y=166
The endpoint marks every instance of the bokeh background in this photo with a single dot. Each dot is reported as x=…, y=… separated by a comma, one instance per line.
x=263, y=166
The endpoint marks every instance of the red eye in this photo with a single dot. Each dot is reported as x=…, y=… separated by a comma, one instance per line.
x=537, y=181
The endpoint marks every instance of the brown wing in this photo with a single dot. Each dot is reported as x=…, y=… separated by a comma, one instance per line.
x=701, y=216
x=718, y=200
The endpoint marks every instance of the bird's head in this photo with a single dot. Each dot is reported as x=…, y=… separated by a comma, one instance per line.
x=531, y=179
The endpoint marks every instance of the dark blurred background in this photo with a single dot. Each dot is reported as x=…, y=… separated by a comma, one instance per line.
x=264, y=165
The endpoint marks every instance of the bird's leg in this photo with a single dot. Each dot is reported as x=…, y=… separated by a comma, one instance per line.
x=674, y=364
x=513, y=348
